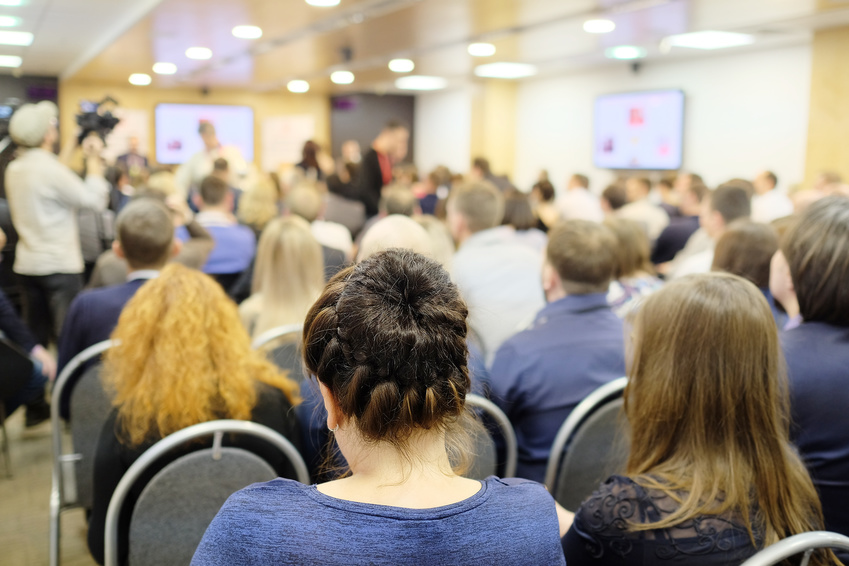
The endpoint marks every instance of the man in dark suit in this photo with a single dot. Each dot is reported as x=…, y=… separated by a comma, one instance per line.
x=146, y=240
x=132, y=162
x=388, y=148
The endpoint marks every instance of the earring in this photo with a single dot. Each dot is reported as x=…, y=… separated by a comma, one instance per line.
x=334, y=429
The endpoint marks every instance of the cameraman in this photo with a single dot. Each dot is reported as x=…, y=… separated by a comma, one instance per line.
x=44, y=198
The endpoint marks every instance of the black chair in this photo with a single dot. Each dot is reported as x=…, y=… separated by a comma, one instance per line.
x=486, y=454
x=283, y=346
x=595, y=446
x=16, y=372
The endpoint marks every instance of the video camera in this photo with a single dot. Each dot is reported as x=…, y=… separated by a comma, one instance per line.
x=97, y=117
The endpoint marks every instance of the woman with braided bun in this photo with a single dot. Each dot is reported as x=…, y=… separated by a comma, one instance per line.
x=387, y=343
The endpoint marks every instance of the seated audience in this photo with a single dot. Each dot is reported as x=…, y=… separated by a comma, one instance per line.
x=574, y=345
x=184, y=359
x=746, y=249
x=375, y=171
x=519, y=214
x=260, y=205
x=634, y=277
x=711, y=476
x=498, y=277
x=387, y=343
x=395, y=199
x=309, y=165
x=396, y=231
x=578, y=203
x=542, y=201
x=675, y=237
x=235, y=245
x=817, y=352
x=481, y=171
x=288, y=276
x=666, y=197
x=146, y=242
x=305, y=201
x=768, y=203
x=434, y=189
x=640, y=208
x=613, y=198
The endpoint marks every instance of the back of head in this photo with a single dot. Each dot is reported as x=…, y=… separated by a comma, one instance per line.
x=744, y=184
x=746, y=249
x=213, y=190
x=633, y=251
x=482, y=164
x=584, y=255
x=480, y=203
x=395, y=231
x=637, y=188
x=580, y=180
x=163, y=183
x=220, y=165
x=388, y=339
x=145, y=230
x=545, y=190
x=181, y=338
x=398, y=199
x=440, y=239
x=29, y=124
x=712, y=406
x=259, y=205
x=817, y=251
x=518, y=212
x=304, y=201
x=731, y=201
x=615, y=195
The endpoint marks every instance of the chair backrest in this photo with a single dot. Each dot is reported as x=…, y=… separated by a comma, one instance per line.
x=179, y=438
x=804, y=543
x=283, y=345
x=178, y=503
x=595, y=445
x=90, y=408
x=15, y=369
x=486, y=456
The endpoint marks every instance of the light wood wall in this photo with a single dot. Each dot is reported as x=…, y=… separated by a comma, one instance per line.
x=493, y=128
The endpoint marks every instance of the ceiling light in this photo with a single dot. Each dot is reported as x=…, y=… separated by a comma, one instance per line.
x=323, y=3
x=198, y=53
x=15, y=38
x=709, y=39
x=420, y=82
x=10, y=61
x=9, y=21
x=247, y=32
x=11, y=2
x=298, y=86
x=140, y=79
x=342, y=77
x=164, y=68
x=401, y=65
x=505, y=70
x=625, y=52
x=599, y=26
x=481, y=49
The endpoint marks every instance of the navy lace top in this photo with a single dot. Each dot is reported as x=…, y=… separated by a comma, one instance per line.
x=601, y=533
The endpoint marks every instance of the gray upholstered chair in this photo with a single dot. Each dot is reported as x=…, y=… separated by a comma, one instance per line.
x=178, y=503
x=486, y=459
x=283, y=347
x=805, y=544
x=595, y=445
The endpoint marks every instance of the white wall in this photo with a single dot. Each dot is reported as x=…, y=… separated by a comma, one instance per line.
x=443, y=122
x=744, y=112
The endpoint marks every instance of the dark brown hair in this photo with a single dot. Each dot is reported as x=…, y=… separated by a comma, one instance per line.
x=388, y=338
x=731, y=201
x=213, y=190
x=615, y=196
x=146, y=232
x=584, y=255
x=746, y=249
x=482, y=163
x=633, y=251
x=545, y=189
x=518, y=212
x=817, y=251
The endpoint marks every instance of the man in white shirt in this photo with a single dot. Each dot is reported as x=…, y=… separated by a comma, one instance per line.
x=768, y=203
x=499, y=277
x=191, y=173
x=44, y=199
x=640, y=209
x=578, y=203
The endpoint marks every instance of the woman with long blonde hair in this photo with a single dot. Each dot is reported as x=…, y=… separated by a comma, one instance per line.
x=711, y=477
x=183, y=358
x=288, y=276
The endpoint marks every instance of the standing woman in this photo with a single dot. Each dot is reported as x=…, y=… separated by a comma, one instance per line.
x=712, y=477
x=387, y=342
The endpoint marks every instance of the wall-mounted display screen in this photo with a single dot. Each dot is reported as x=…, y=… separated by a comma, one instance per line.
x=177, y=137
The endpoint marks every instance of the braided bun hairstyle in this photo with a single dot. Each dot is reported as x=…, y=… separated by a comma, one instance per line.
x=388, y=338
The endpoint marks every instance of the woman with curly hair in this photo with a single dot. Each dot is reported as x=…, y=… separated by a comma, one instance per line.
x=184, y=358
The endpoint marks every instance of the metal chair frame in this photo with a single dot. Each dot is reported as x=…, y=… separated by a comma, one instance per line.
x=803, y=543
x=511, y=445
x=274, y=333
x=216, y=428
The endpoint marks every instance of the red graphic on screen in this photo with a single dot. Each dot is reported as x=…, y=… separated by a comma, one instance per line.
x=174, y=145
x=636, y=117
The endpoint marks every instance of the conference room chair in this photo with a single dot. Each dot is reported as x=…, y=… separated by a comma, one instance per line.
x=15, y=373
x=283, y=345
x=177, y=505
x=73, y=465
x=486, y=462
x=804, y=544
x=591, y=445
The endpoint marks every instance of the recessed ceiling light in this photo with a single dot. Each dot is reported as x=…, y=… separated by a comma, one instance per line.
x=709, y=39
x=298, y=86
x=247, y=32
x=140, y=79
x=481, y=49
x=323, y=3
x=198, y=53
x=505, y=70
x=342, y=77
x=420, y=82
x=11, y=2
x=163, y=68
x=599, y=26
x=9, y=21
x=401, y=65
x=10, y=61
x=15, y=38
x=625, y=52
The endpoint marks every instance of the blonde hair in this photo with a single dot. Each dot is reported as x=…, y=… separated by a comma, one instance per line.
x=183, y=358
x=258, y=206
x=395, y=231
x=708, y=405
x=163, y=183
x=289, y=273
